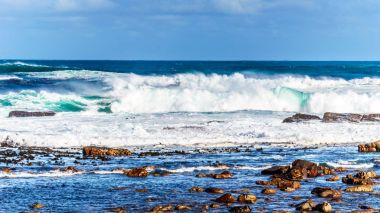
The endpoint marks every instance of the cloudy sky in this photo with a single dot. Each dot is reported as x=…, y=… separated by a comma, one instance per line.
x=190, y=29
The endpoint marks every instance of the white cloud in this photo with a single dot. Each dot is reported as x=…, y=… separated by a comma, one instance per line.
x=70, y=5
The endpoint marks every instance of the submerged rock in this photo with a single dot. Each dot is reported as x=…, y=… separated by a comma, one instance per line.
x=30, y=114
x=269, y=191
x=196, y=189
x=214, y=190
x=104, y=151
x=300, y=117
x=329, y=117
x=240, y=209
x=70, y=169
x=37, y=206
x=369, y=147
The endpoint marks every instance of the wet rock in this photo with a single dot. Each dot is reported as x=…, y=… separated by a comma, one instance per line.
x=30, y=114
x=182, y=207
x=269, y=191
x=326, y=192
x=37, y=206
x=223, y=175
x=240, y=209
x=360, y=188
x=196, y=189
x=6, y=170
x=300, y=117
x=286, y=185
x=70, y=169
x=117, y=209
x=104, y=151
x=308, y=205
x=141, y=190
x=247, y=198
x=329, y=117
x=333, y=178
x=323, y=207
x=164, y=208
x=226, y=198
x=214, y=190
x=275, y=170
x=361, y=178
x=137, y=172
x=214, y=206
x=369, y=147
x=160, y=173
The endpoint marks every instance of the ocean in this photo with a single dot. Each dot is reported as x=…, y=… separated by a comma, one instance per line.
x=193, y=115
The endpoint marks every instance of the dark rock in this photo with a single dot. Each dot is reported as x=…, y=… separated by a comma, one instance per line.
x=226, y=198
x=269, y=191
x=323, y=207
x=70, y=169
x=329, y=117
x=371, y=117
x=275, y=170
x=300, y=117
x=30, y=114
x=326, y=192
x=104, y=151
x=214, y=190
x=223, y=175
x=196, y=189
x=240, y=209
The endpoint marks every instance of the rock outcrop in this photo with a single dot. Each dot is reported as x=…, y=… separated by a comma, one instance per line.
x=300, y=118
x=30, y=114
x=104, y=151
x=369, y=147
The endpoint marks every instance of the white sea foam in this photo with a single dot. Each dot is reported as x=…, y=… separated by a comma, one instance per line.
x=351, y=165
x=55, y=173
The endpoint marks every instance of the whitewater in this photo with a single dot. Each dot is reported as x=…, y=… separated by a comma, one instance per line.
x=188, y=107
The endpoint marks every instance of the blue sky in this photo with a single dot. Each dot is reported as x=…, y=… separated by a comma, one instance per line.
x=190, y=29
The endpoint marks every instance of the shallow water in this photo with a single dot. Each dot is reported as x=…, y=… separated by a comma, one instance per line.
x=91, y=189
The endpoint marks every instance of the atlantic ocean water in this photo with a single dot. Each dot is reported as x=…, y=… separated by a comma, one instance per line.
x=195, y=114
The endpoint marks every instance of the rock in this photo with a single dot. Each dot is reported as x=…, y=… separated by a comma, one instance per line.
x=104, y=151
x=117, y=209
x=214, y=190
x=30, y=114
x=323, y=207
x=275, y=170
x=360, y=188
x=371, y=117
x=369, y=147
x=240, y=209
x=300, y=117
x=269, y=191
x=141, y=190
x=226, y=198
x=326, y=192
x=160, y=173
x=6, y=170
x=70, y=169
x=286, y=184
x=196, y=189
x=333, y=178
x=37, y=206
x=137, y=172
x=247, y=198
x=214, y=206
x=329, y=117
x=182, y=207
x=308, y=205
x=165, y=208
x=223, y=175
x=361, y=178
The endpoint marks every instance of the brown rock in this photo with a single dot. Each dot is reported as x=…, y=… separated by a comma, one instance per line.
x=214, y=190
x=196, y=189
x=371, y=117
x=30, y=114
x=341, y=117
x=214, y=206
x=182, y=207
x=300, y=117
x=240, y=209
x=165, y=208
x=308, y=205
x=137, y=172
x=326, y=192
x=37, y=206
x=70, y=169
x=226, y=198
x=7, y=170
x=333, y=178
x=269, y=191
x=369, y=147
x=247, y=198
x=223, y=175
x=360, y=188
x=104, y=151
x=117, y=209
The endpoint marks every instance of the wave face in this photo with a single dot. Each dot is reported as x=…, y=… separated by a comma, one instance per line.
x=212, y=87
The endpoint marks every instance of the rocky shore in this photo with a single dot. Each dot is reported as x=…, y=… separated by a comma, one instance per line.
x=301, y=185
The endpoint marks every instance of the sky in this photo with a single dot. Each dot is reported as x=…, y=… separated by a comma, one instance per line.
x=190, y=29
